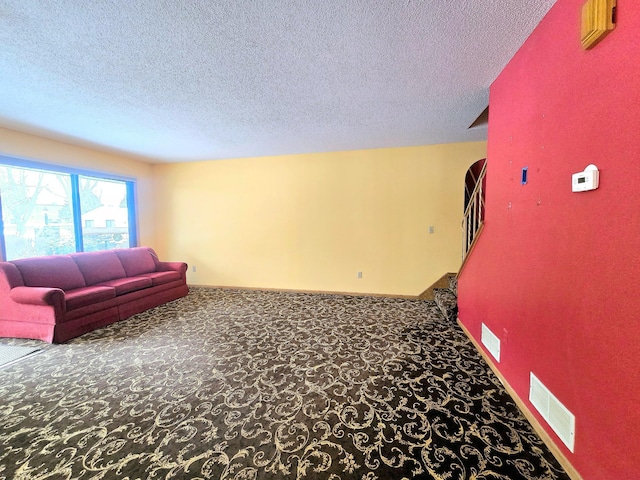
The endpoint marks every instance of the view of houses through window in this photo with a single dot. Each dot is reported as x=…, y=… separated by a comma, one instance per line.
x=48, y=213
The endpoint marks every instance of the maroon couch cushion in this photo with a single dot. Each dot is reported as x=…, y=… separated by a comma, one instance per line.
x=10, y=276
x=160, y=278
x=99, y=267
x=81, y=297
x=136, y=260
x=128, y=284
x=58, y=271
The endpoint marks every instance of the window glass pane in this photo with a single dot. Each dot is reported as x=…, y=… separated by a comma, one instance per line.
x=105, y=217
x=37, y=212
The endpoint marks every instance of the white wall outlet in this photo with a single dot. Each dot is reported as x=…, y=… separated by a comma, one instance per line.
x=193, y=268
x=432, y=229
x=359, y=274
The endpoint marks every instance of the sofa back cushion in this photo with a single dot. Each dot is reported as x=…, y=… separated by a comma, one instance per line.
x=10, y=277
x=58, y=271
x=98, y=267
x=136, y=260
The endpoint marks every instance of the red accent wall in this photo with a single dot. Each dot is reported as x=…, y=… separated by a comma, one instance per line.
x=556, y=274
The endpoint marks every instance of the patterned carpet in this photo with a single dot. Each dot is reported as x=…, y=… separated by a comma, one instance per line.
x=230, y=384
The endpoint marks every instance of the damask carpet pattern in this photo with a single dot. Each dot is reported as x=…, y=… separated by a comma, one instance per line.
x=231, y=384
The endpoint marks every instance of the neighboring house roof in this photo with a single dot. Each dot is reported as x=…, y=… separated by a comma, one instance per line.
x=102, y=214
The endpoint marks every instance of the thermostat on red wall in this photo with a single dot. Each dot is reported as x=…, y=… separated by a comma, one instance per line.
x=587, y=180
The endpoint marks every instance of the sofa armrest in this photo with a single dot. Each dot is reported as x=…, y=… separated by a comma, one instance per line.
x=37, y=296
x=172, y=266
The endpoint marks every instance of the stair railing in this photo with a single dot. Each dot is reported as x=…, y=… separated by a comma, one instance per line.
x=474, y=215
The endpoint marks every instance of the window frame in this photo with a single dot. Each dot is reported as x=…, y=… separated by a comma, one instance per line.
x=74, y=174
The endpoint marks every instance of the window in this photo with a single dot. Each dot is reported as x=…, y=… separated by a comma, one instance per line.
x=104, y=204
x=46, y=212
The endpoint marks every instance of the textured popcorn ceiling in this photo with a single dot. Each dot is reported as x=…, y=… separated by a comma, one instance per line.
x=179, y=80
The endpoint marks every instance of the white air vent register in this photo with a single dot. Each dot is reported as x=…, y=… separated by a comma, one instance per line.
x=559, y=418
x=491, y=341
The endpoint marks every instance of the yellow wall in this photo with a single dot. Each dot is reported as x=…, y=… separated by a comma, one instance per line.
x=311, y=222
x=30, y=147
x=306, y=222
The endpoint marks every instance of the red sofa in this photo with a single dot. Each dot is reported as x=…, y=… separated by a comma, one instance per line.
x=60, y=297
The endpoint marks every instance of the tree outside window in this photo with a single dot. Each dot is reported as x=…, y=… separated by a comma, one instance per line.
x=40, y=219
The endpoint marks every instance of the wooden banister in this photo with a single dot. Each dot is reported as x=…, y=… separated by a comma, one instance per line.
x=473, y=215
